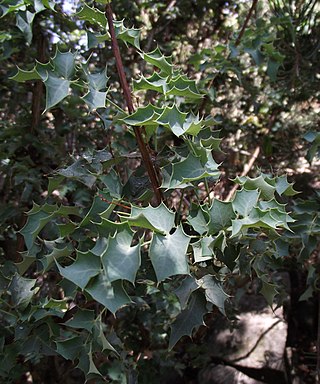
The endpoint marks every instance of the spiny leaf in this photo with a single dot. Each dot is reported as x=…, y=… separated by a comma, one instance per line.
x=260, y=183
x=55, y=254
x=221, y=213
x=172, y=118
x=158, y=219
x=64, y=64
x=168, y=254
x=128, y=35
x=80, y=272
x=183, y=292
x=160, y=61
x=143, y=116
x=244, y=201
x=56, y=90
x=92, y=15
x=202, y=250
x=213, y=291
x=83, y=319
x=98, y=80
x=111, y=295
x=69, y=348
x=154, y=83
x=198, y=219
x=188, y=170
x=22, y=75
x=269, y=291
x=182, y=86
x=95, y=99
x=120, y=260
x=21, y=290
x=24, y=21
x=188, y=319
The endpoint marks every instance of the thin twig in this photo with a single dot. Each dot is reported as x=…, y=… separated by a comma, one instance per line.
x=245, y=24
x=127, y=95
x=245, y=171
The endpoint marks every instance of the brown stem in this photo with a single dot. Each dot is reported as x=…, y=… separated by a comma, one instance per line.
x=245, y=24
x=127, y=94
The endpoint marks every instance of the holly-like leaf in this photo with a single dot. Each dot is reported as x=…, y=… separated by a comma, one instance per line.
x=285, y=188
x=96, y=81
x=69, y=348
x=188, y=319
x=64, y=64
x=56, y=254
x=24, y=21
x=188, y=170
x=182, y=86
x=172, y=118
x=120, y=260
x=202, y=250
x=158, y=219
x=127, y=35
x=143, y=116
x=213, y=291
x=269, y=291
x=154, y=83
x=198, y=219
x=111, y=295
x=160, y=61
x=95, y=99
x=21, y=290
x=244, y=201
x=92, y=15
x=80, y=272
x=82, y=319
x=168, y=254
x=56, y=90
x=184, y=291
x=22, y=76
x=221, y=213
x=260, y=183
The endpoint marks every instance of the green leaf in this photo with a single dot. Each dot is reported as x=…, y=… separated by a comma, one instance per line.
x=87, y=265
x=113, y=183
x=69, y=348
x=21, y=290
x=159, y=219
x=95, y=99
x=198, y=219
x=160, y=61
x=120, y=260
x=111, y=295
x=184, y=291
x=38, y=217
x=154, y=83
x=127, y=35
x=182, y=86
x=99, y=209
x=283, y=187
x=83, y=319
x=188, y=170
x=98, y=80
x=22, y=76
x=172, y=118
x=143, y=116
x=56, y=90
x=56, y=254
x=188, y=319
x=213, y=291
x=24, y=21
x=267, y=190
x=244, y=201
x=79, y=171
x=168, y=254
x=202, y=250
x=64, y=64
x=221, y=213
x=269, y=291
x=92, y=15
